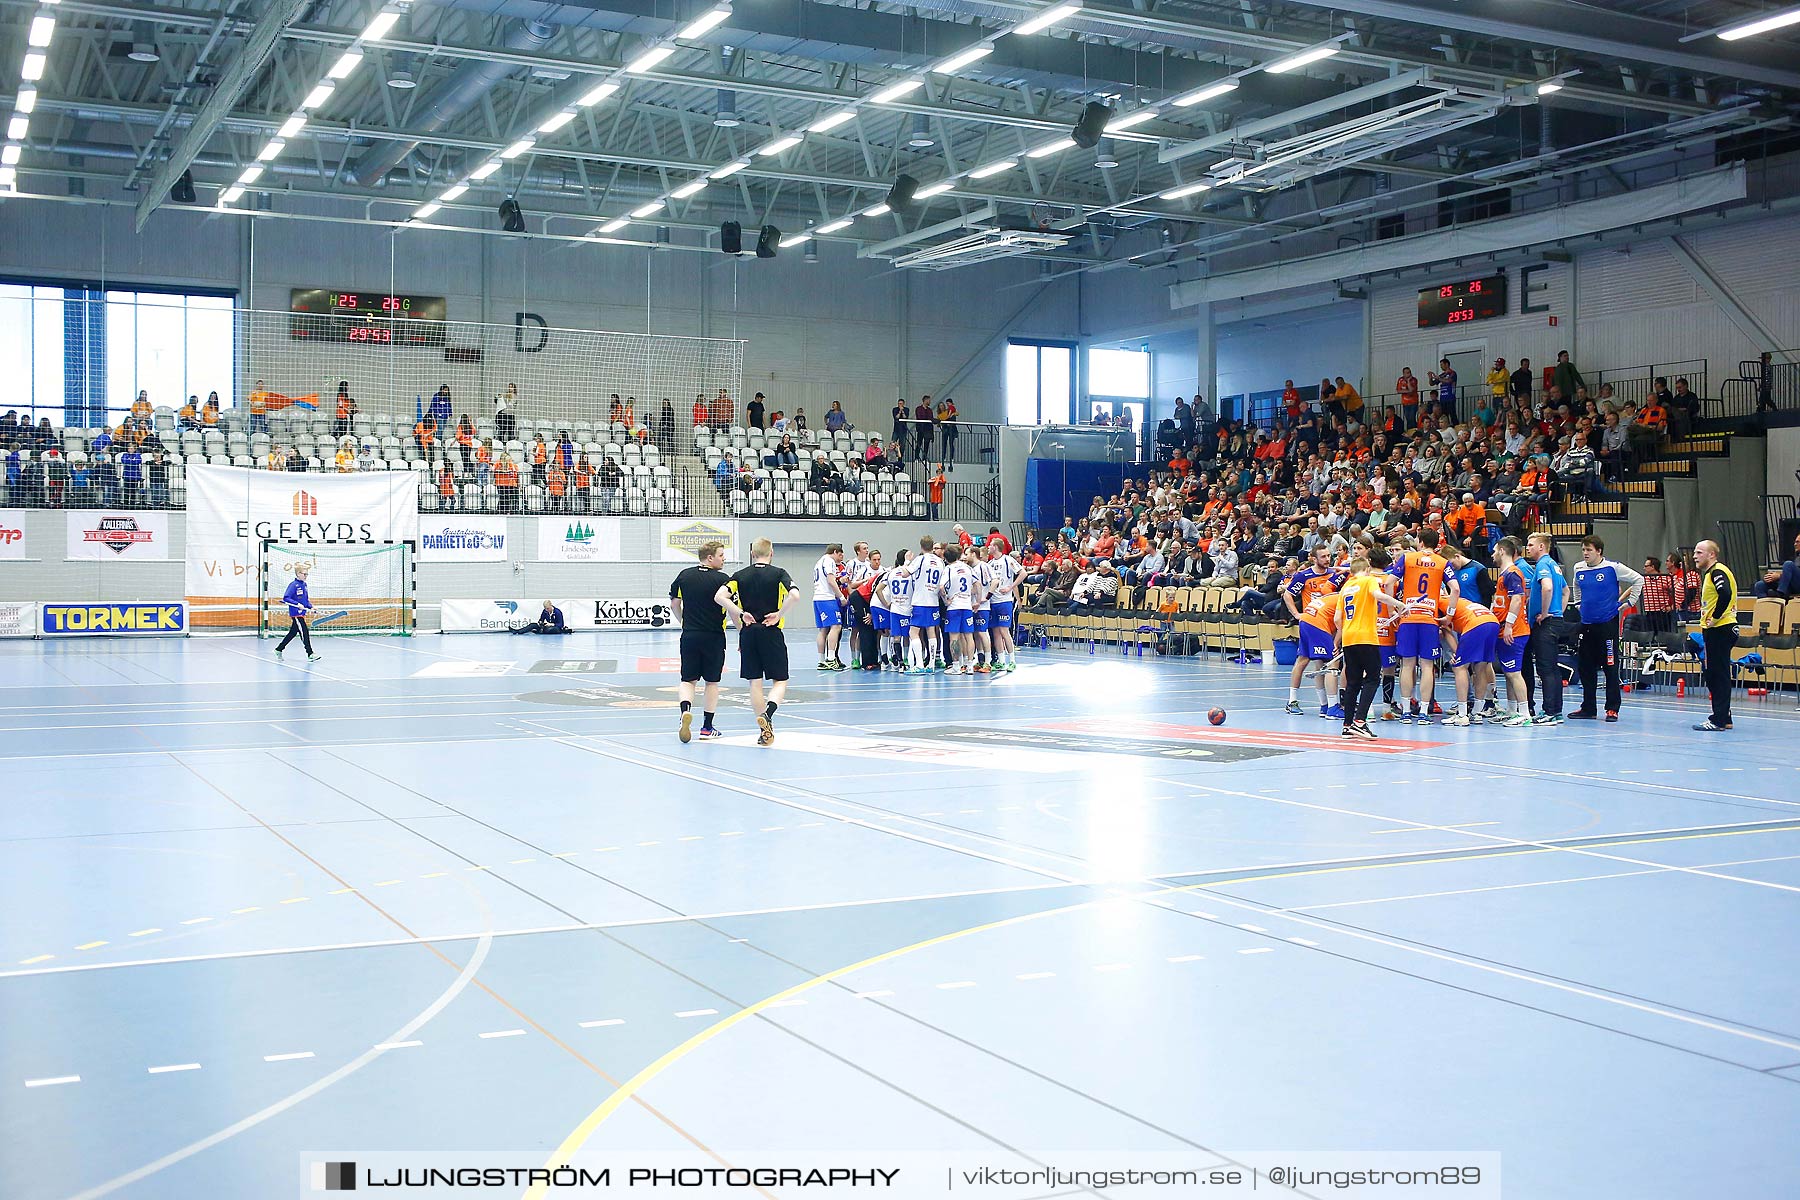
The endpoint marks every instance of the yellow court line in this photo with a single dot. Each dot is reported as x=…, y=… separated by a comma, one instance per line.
x=578, y=1137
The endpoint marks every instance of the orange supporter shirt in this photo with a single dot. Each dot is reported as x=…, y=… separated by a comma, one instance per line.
x=937, y=489
x=343, y=410
x=584, y=477
x=540, y=454
x=506, y=475
x=557, y=480
x=483, y=455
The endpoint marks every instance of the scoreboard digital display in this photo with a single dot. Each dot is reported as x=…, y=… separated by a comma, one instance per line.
x=366, y=318
x=1466, y=300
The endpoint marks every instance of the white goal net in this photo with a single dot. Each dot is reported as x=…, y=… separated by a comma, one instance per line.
x=354, y=588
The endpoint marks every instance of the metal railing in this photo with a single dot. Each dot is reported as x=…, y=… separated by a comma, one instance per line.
x=1759, y=388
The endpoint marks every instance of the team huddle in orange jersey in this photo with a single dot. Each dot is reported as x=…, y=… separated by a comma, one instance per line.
x=1377, y=619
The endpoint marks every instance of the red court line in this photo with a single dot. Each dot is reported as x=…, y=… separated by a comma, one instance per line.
x=1249, y=737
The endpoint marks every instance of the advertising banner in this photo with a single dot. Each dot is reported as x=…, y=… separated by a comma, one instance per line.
x=12, y=533
x=578, y=539
x=679, y=538
x=461, y=539
x=18, y=619
x=497, y=616
x=107, y=535
x=232, y=510
x=149, y=618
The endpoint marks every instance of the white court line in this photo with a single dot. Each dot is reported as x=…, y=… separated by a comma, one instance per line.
x=52, y=1081
x=601, y=1024
x=397, y=1045
x=502, y=1033
x=698, y=1012
x=298, y=1054
x=174, y=1067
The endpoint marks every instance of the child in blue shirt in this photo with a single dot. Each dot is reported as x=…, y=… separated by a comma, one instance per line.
x=299, y=604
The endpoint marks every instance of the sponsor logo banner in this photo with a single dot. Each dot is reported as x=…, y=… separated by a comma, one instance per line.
x=18, y=619
x=460, y=539
x=12, y=533
x=157, y=617
x=573, y=666
x=679, y=538
x=578, y=539
x=496, y=616
x=114, y=535
x=232, y=510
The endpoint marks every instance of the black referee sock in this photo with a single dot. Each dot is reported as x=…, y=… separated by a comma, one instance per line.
x=687, y=705
x=706, y=723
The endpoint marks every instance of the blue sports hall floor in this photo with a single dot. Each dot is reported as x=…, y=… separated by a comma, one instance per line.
x=469, y=893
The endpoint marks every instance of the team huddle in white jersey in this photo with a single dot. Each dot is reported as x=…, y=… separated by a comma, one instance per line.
x=948, y=608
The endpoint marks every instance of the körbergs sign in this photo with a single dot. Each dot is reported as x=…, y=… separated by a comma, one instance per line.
x=497, y=616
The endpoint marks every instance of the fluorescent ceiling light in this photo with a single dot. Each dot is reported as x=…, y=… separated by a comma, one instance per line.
x=25, y=101
x=1209, y=92
x=957, y=62
x=705, y=23
x=291, y=126
x=1005, y=164
x=644, y=210
x=648, y=59
x=1548, y=86
x=42, y=29
x=689, y=189
x=936, y=189
x=274, y=148
x=231, y=195
x=780, y=144
x=1049, y=148
x=8, y=177
x=557, y=122
x=597, y=95
x=614, y=226
x=1780, y=20
x=1130, y=119
x=347, y=62
x=426, y=210
x=380, y=26
x=19, y=128
x=880, y=210
x=729, y=169
x=318, y=95
x=517, y=148
x=454, y=193
x=1047, y=18
x=831, y=120
x=32, y=69
x=794, y=239
x=1186, y=189
x=251, y=174
x=484, y=170
x=1294, y=62
x=888, y=95
x=10, y=155
x=833, y=227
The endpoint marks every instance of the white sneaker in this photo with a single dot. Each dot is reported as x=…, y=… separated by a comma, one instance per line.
x=1461, y=720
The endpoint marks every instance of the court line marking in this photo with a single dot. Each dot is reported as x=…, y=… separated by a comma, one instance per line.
x=290, y=1057
x=578, y=1137
x=52, y=1081
x=173, y=1067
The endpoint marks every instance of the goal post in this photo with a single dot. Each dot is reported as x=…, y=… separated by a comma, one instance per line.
x=355, y=587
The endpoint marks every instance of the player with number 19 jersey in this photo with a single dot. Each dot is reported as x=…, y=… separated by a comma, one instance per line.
x=927, y=586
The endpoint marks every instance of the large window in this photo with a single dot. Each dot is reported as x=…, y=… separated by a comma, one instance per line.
x=79, y=356
x=1124, y=374
x=1040, y=383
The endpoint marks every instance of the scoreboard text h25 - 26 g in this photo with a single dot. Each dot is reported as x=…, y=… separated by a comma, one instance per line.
x=1464, y=300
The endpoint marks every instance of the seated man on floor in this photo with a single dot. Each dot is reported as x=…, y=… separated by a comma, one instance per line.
x=550, y=620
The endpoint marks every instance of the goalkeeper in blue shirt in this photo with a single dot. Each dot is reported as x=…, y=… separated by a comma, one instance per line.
x=300, y=610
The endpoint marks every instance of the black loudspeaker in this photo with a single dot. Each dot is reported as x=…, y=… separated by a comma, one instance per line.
x=731, y=237
x=1784, y=537
x=766, y=240
x=900, y=196
x=183, y=190
x=511, y=218
x=1092, y=124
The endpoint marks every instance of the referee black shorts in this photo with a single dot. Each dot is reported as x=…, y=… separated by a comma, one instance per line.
x=702, y=657
x=763, y=649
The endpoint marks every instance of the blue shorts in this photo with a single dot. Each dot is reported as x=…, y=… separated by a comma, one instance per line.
x=898, y=623
x=981, y=620
x=1390, y=657
x=1510, y=659
x=879, y=618
x=924, y=617
x=1419, y=640
x=826, y=613
x=1476, y=646
x=1002, y=611
x=959, y=620
x=1315, y=643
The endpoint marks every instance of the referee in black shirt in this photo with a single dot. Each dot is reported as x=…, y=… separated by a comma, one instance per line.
x=755, y=597
x=694, y=596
